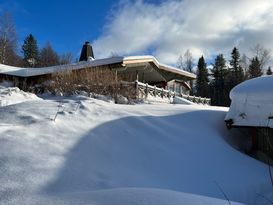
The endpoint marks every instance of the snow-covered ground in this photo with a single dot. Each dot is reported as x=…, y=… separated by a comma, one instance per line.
x=97, y=152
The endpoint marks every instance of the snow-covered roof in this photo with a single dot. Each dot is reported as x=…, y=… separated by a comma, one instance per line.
x=160, y=66
x=27, y=72
x=252, y=103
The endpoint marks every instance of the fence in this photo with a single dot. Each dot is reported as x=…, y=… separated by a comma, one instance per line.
x=144, y=90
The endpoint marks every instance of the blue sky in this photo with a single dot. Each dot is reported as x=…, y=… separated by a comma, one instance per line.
x=163, y=28
x=66, y=24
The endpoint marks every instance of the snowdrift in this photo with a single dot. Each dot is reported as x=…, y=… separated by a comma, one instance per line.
x=13, y=95
x=96, y=152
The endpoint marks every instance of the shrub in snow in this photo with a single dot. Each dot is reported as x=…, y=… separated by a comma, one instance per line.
x=121, y=100
x=102, y=82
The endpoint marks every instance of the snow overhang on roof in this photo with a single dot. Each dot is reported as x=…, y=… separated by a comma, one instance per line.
x=252, y=103
x=28, y=72
x=167, y=72
x=163, y=72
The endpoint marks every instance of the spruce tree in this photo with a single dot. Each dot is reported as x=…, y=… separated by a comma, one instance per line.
x=255, y=69
x=236, y=71
x=30, y=51
x=219, y=93
x=269, y=71
x=202, y=86
x=48, y=57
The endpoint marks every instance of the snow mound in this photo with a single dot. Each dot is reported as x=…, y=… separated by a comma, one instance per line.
x=252, y=103
x=257, y=90
x=96, y=152
x=13, y=95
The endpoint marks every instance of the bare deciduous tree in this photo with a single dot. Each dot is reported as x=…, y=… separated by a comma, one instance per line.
x=244, y=63
x=180, y=62
x=263, y=54
x=188, y=60
x=8, y=40
x=66, y=58
x=48, y=57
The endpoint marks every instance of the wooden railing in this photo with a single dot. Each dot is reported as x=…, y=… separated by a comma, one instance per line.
x=144, y=90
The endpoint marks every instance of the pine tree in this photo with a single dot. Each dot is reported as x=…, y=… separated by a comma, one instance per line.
x=269, y=71
x=219, y=73
x=236, y=71
x=30, y=51
x=202, y=86
x=255, y=69
x=48, y=57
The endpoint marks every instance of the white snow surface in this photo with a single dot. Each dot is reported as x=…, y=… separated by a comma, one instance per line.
x=102, y=153
x=13, y=95
x=252, y=103
x=180, y=100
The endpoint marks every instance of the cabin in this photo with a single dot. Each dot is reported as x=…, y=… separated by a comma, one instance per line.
x=152, y=77
x=251, y=110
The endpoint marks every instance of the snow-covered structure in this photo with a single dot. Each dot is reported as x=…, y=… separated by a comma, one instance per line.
x=146, y=69
x=152, y=77
x=252, y=103
x=252, y=108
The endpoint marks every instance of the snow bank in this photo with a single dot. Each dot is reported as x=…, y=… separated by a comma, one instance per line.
x=102, y=153
x=252, y=103
x=13, y=95
x=179, y=100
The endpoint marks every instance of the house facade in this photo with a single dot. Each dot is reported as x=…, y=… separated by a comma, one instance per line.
x=143, y=69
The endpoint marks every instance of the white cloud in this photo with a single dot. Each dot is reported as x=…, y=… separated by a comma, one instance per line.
x=169, y=28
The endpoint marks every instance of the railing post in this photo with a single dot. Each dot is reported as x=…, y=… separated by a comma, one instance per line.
x=136, y=87
x=146, y=91
x=154, y=90
x=174, y=89
x=162, y=93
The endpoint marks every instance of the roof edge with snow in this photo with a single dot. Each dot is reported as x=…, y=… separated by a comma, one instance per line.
x=29, y=72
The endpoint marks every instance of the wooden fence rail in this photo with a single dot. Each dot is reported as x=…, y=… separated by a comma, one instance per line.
x=144, y=90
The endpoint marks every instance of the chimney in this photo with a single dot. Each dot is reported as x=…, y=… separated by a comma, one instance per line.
x=87, y=52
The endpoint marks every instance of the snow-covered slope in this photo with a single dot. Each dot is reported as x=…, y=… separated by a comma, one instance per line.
x=101, y=153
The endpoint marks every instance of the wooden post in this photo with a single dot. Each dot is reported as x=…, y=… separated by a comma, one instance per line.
x=137, y=75
x=162, y=92
x=146, y=91
x=154, y=90
x=136, y=87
